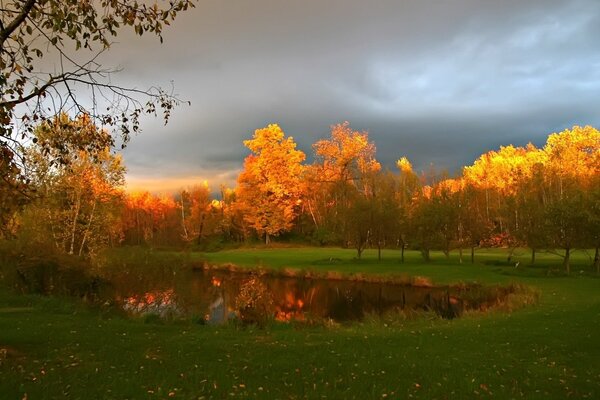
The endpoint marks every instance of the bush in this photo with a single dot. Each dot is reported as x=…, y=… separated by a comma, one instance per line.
x=254, y=303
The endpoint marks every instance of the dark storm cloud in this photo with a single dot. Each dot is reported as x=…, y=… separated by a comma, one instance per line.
x=439, y=82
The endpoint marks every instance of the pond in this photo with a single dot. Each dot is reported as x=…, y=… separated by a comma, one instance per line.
x=213, y=295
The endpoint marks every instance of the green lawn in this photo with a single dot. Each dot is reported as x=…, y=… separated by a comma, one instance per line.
x=56, y=349
x=490, y=264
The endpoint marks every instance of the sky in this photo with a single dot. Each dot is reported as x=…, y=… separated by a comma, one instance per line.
x=440, y=82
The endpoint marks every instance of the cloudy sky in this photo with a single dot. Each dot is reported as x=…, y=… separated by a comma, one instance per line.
x=437, y=81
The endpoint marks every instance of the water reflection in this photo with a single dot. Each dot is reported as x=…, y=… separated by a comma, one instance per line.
x=159, y=302
x=211, y=294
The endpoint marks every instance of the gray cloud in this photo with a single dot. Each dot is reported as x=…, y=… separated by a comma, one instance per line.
x=436, y=81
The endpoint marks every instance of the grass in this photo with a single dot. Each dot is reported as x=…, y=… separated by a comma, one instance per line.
x=58, y=349
x=488, y=267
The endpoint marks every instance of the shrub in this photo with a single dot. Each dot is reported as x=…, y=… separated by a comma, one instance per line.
x=254, y=303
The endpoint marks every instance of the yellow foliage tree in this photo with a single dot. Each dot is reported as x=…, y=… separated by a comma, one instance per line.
x=269, y=188
x=347, y=155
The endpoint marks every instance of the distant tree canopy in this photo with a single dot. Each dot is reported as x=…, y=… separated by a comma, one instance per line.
x=547, y=199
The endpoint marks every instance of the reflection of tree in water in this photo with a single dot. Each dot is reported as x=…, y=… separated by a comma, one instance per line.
x=212, y=295
x=217, y=309
x=162, y=303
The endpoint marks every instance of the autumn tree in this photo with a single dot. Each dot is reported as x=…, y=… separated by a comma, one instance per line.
x=337, y=178
x=492, y=183
x=385, y=210
x=201, y=215
x=530, y=202
x=78, y=201
x=474, y=226
x=269, y=188
x=434, y=217
x=50, y=54
x=409, y=186
x=572, y=169
x=152, y=219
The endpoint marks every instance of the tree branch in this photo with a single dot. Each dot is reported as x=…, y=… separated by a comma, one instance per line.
x=14, y=24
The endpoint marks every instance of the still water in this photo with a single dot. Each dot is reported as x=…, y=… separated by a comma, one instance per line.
x=211, y=294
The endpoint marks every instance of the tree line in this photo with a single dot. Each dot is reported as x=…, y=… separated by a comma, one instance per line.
x=542, y=198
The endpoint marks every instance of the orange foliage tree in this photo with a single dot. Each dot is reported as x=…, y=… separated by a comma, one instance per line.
x=572, y=186
x=151, y=219
x=269, y=188
x=78, y=185
x=337, y=182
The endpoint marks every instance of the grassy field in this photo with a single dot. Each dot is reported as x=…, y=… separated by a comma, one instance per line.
x=489, y=264
x=52, y=348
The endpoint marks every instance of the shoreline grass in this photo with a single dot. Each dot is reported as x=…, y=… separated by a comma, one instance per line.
x=52, y=348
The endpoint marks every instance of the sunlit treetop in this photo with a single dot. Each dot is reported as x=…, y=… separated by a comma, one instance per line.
x=346, y=155
x=502, y=169
x=404, y=165
x=574, y=152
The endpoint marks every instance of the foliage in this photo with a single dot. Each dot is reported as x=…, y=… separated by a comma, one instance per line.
x=340, y=196
x=50, y=61
x=270, y=189
x=77, y=208
x=545, y=199
x=254, y=303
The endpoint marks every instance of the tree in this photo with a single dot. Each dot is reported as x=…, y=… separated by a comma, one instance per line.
x=572, y=170
x=73, y=33
x=78, y=202
x=531, y=203
x=435, y=217
x=408, y=187
x=201, y=215
x=336, y=179
x=270, y=189
x=386, y=212
x=152, y=219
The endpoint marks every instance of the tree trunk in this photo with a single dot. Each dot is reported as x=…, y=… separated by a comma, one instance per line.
x=74, y=222
x=87, y=229
x=566, y=260
x=472, y=254
x=426, y=255
x=201, y=228
x=597, y=260
x=487, y=204
x=402, y=254
x=185, y=232
x=312, y=214
x=447, y=253
x=510, y=254
x=378, y=251
x=359, y=251
x=460, y=255
x=267, y=239
x=532, y=256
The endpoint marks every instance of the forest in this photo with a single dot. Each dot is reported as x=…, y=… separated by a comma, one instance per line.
x=69, y=197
